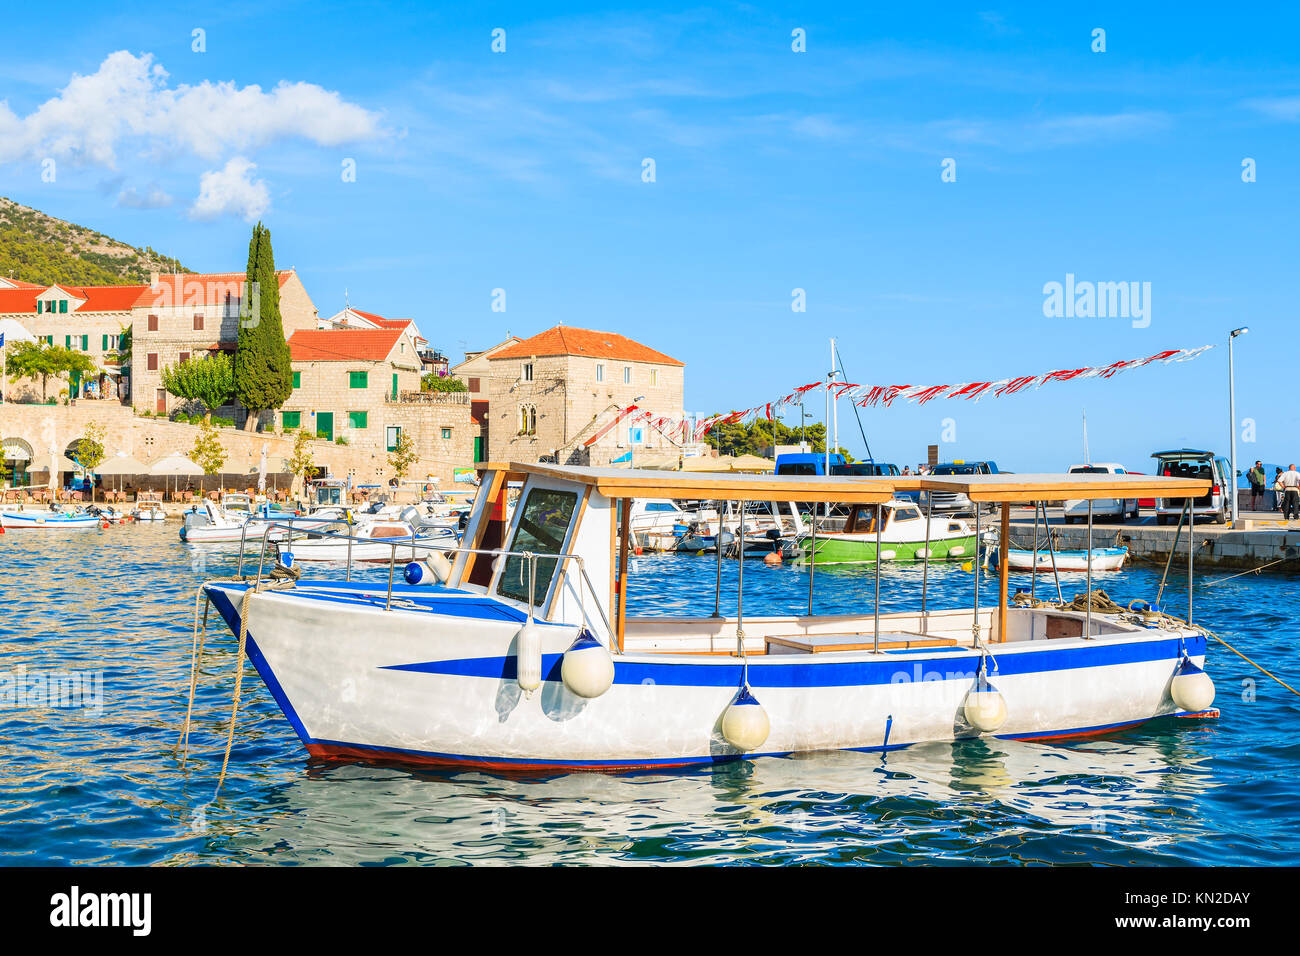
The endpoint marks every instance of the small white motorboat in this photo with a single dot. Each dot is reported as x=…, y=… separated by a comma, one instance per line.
x=1103, y=559
x=47, y=519
x=378, y=540
x=149, y=507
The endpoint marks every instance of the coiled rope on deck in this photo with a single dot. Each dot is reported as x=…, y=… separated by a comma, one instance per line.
x=1102, y=604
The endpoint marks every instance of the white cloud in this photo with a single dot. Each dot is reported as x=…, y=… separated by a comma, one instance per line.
x=154, y=198
x=231, y=191
x=1285, y=108
x=126, y=107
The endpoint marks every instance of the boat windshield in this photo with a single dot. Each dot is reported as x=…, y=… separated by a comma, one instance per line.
x=542, y=529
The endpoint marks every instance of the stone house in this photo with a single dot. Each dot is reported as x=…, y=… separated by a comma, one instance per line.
x=475, y=372
x=184, y=315
x=88, y=319
x=564, y=395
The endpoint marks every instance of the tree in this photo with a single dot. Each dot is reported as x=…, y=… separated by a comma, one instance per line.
x=436, y=382
x=90, y=450
x=209, y=380
x=403, y=456
x=37, y=360
x=301, y=461
x=124, y=347
x=263, y=376
x=208, y=453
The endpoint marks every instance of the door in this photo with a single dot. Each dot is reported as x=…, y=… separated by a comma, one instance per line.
x=478, y=447
x=161, y=403
x=325, y=425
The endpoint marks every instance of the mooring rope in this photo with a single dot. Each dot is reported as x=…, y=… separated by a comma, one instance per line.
x=1251, y=571
x=280, y=577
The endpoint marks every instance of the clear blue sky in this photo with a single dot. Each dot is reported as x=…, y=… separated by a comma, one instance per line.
x=775, y=170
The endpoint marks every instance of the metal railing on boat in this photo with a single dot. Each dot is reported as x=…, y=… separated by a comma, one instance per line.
x=412, y=541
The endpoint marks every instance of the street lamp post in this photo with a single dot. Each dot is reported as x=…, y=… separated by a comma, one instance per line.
x=1232, y=425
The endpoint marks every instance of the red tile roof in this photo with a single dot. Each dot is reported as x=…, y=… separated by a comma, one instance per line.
x=197, y=288
x=342, y=345
x=567, y=340
x=100, y=298
x=20, y=284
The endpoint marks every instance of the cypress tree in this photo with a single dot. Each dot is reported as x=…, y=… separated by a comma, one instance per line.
x=263, y=374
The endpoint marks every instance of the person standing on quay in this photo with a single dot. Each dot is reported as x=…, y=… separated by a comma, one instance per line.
x=1291, y=491
x=1277, y=490
x=1256, y=478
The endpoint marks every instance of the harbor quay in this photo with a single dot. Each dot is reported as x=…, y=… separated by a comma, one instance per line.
x=1259, y=540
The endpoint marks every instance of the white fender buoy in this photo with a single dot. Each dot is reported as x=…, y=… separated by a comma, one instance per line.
x=586, y=668
x=887, y=555
x=744, y=723
x=986, y=708
x=432, y=567
x=528, y=657
x=1192, y=689
x=957, y=550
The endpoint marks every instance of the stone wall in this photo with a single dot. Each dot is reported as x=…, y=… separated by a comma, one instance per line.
x=149, y=439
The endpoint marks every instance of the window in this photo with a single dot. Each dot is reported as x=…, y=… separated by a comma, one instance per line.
x=63, y=306
x=184, y=357
x=151, y=361
x=446, y=434
x=527, y=421
x=198, y=323
x=153, y=323
x=473, y=385
x=600, y=372
x=654, y=376
x=357, y=419
x=627, y=375
x=297, y=379
x=528, y=372
x=357, y=379
x=290, y=420
x=391, y=434
x=47, y=339
x=543, y=526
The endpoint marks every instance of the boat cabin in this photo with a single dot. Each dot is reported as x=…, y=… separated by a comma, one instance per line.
x=566, y=557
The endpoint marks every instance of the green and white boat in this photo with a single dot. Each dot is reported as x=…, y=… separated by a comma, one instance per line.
x=902, y=537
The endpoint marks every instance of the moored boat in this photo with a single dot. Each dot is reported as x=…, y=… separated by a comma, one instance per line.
x=903, y=537
x=45, y=519
x=1102, y=559
x=526, y=655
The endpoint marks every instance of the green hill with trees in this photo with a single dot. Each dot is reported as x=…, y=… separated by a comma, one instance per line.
x=35, y=247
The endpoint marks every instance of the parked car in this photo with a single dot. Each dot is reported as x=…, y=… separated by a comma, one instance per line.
x=1077, y=510
x=807, y=463
x=950, y=501
x=1194, y=463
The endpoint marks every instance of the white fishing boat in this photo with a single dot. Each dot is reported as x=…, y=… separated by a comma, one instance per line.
x=527, y=656
x=374, y=540
x=47, y=519
x=1102, y=559
x=149, y=507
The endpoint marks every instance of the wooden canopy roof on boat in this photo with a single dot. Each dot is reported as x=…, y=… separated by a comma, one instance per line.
x=638, y=483
x=1026, y=488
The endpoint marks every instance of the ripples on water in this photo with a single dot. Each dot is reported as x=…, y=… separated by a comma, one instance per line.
x=80, y=787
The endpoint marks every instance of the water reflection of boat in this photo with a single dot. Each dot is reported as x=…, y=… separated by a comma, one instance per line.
x=939, y=800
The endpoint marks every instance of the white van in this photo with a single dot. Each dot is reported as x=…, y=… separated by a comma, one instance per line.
x=1114, y=508
x=1195, y=463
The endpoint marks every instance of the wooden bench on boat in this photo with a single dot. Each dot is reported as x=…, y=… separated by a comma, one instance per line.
x=834, y=643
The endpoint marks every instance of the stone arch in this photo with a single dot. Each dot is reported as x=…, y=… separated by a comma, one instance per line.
x=16, y=458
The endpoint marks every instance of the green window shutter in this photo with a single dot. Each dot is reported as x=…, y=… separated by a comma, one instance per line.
x=67, y=341
x=394, y=386
x=85, y=343
x=104, y=346
x=297, y=379
x=290, y=419
x=357, y=419
x=63, y=305
x=357, y=379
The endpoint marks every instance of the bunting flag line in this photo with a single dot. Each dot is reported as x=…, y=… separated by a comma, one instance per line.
x=872, y=396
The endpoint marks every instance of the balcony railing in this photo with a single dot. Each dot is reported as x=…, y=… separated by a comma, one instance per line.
x=429, y=398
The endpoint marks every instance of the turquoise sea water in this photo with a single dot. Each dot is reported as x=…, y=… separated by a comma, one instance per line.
x=81, y=786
